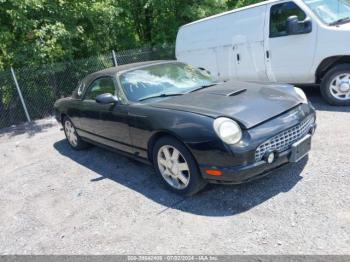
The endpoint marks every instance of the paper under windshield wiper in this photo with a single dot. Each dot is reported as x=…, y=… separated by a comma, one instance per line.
x=161, y=95
x=340, y=21
x=202, y=87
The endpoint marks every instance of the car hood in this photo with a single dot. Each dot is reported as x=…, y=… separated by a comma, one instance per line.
x=248, y=103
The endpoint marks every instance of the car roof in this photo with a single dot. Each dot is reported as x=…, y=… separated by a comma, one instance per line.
x=111, y=71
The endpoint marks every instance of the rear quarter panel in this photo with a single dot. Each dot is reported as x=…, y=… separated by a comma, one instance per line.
x=69, y=107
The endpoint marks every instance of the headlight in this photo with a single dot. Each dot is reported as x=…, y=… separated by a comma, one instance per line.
x=301, y=94
x=228, y=130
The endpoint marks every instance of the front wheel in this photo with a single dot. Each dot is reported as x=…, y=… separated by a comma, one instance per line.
x=335, y=85
x=176, y=167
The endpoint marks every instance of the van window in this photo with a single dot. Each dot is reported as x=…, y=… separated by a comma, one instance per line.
x=278, y=17
x=330, y=11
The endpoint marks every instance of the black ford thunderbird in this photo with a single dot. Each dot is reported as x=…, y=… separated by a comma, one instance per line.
x=191, y=128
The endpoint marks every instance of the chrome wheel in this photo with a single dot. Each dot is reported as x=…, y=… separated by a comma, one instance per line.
x=340, y=86
x=173, y=167
x=71, y=133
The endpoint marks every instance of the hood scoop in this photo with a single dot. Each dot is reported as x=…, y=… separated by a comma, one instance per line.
x=237, y=92
x=230, y=93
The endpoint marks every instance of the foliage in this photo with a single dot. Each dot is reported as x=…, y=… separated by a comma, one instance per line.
x=37, y=32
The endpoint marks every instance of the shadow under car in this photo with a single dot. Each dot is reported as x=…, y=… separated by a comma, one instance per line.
x=215, y=200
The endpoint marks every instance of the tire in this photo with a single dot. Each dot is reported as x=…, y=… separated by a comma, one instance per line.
x=72, y=136
x=330, y=86
x=172, y=171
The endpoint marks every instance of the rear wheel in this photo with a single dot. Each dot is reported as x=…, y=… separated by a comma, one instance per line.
x=176, y=167
x=335, y=85
x=72, y=136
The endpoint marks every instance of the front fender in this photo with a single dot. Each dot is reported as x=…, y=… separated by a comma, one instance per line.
x=194, y=130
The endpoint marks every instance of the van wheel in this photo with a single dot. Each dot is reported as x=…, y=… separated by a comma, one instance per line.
x=176, y=167
x=335, y=85
x=72, y=136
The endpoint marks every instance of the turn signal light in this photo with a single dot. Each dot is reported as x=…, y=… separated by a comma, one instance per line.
x=213, y=172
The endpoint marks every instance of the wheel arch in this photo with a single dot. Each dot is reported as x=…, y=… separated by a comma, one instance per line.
x=62, y=116
x=329, y=63
x=156, y=136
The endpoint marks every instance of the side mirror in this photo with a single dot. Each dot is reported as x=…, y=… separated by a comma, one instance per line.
x=107, y=99
x=295, y=27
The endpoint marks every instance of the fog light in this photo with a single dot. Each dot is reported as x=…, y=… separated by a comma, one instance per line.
x=270, y=157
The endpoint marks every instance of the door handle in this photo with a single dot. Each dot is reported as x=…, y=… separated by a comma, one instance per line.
x=267, y=54
x=238, y=57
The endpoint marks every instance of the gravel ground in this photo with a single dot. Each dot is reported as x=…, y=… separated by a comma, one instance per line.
x=54, y=200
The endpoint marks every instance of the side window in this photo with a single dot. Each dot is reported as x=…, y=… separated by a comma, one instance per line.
x=278, y=17
x=100, y=86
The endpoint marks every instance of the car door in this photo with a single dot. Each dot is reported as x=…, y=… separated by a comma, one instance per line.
x=105, y=123
x=90, y=109
x=290, y=57
x=114, y=123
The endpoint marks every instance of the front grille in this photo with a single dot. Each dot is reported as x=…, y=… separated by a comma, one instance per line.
x=284, y=140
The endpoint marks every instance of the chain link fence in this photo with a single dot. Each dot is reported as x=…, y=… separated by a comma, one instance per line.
x=41, y=87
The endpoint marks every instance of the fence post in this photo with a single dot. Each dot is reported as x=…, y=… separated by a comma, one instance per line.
x=114, y=58
x=20, y=94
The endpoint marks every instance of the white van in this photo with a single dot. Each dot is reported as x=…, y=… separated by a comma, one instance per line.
x=299, y=41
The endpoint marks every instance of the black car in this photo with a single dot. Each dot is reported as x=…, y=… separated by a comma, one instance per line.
x=191, y=128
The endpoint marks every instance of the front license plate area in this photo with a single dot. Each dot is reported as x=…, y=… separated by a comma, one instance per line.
x=300, y=149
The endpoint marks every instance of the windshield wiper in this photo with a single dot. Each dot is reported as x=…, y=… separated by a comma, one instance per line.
x=202, y=87
x=161, y=95
x=176, y=94
x=340, y=21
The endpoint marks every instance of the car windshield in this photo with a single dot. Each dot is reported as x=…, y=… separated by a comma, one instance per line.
x=330, y=11
x=164, y=79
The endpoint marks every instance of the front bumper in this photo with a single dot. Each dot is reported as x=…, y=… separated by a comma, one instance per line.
x=246, y=173
x=240, y=163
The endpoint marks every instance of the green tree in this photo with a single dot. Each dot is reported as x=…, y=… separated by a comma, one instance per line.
x=36, y=32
